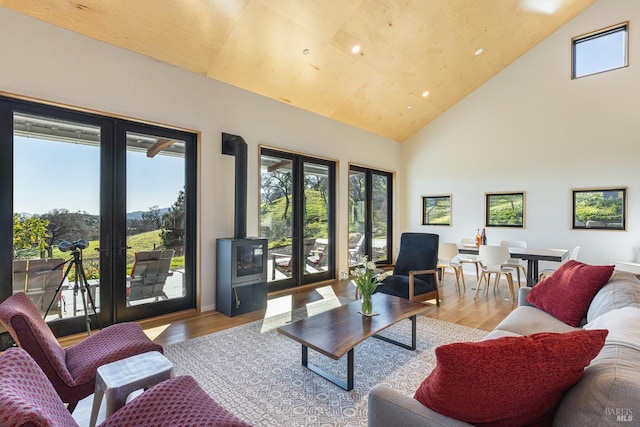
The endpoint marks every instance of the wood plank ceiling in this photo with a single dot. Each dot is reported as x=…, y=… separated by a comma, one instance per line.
x=408, y=47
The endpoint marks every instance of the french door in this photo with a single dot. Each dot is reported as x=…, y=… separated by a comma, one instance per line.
x=297, y=216
x=370, y=215
x=154, y=241
x=87, y=203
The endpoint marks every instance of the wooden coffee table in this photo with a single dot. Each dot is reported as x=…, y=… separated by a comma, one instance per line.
x=337, y=331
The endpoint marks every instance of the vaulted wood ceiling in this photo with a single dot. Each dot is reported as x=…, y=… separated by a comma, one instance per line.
x=408, y=47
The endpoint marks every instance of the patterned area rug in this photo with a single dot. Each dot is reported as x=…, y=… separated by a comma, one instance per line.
x=257, y=374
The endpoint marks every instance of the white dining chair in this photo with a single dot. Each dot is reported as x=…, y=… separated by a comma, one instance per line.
x=469, y=258
x=447, y=253
x=548, y=271
x=515, y=263
x=494, y=259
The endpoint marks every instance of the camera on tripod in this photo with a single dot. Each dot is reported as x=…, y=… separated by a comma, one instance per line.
x=79, y=279
x=65, y=246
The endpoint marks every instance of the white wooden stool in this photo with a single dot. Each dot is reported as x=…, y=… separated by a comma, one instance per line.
x=117, y=380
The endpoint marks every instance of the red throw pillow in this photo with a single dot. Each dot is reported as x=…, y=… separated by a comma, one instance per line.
x=567, y=293
x=509, y=381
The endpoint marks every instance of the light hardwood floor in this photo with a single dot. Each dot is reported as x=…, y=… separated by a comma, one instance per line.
x=484, y=313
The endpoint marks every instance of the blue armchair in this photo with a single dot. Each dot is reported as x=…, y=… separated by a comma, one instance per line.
x=415, y=274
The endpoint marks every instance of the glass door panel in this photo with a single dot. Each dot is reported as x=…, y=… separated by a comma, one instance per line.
x=380, y=218
x=357, y=216
x=156, y=219
x=56, y=214
x=370, y=215
x=317, y=195
x=276, y=216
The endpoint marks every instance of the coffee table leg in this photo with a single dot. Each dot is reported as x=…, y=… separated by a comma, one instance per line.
x=398, y=343
x=348, y=385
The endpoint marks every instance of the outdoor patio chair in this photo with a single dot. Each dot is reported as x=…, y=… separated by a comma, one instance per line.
x=149, y=275
x=356, y=252
x=19, y=278
x=43, y=278
x=318, y=259
x=27, y=398
x=282, y=262
x=71, y=370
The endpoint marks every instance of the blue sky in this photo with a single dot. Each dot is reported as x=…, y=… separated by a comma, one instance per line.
x=60, y=175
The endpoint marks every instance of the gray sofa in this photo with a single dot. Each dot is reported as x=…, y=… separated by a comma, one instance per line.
x=607, y=395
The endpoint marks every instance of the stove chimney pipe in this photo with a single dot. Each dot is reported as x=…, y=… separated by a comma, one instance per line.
x=235, y=145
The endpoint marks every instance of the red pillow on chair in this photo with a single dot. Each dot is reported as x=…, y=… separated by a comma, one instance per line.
x=568, y=292
x=509, y=381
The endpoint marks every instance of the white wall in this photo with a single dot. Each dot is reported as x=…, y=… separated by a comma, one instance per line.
x=533, y=129
x=49, y=63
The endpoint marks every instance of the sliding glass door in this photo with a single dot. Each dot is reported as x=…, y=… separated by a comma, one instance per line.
x=87, y=205
x=370, y=215
x=297, y=216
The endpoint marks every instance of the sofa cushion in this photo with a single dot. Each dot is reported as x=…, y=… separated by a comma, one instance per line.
x=567, y=293
x=509, y=381
x=527, y=320
x=623, y=325
x=607, y=394
x=622, y=290
x=497, y=333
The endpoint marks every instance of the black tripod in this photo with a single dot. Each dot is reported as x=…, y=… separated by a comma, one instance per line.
x=80, y=281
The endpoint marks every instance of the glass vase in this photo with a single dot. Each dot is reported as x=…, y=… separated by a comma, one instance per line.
x=367, y=306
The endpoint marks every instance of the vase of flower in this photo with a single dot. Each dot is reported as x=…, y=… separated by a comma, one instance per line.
x=366, y=282
x=367, y=306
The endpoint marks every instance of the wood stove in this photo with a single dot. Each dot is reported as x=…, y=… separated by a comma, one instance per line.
x=242, y=275
x=241, y=268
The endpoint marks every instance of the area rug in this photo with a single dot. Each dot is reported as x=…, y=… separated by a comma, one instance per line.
x=256, y=373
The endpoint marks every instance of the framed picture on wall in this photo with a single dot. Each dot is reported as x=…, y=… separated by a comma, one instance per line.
x=599, y=209
x=504, y=209
x=436, y=210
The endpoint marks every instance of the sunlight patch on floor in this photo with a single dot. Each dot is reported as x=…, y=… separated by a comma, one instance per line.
x=154, y=333
x=278, y=313
x=329, y=300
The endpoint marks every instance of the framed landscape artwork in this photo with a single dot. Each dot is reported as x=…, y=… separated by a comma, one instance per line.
x=436, y=210
x=504, y=209
x=599, y=209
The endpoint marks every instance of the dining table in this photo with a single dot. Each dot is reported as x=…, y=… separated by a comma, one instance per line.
x=531, y=255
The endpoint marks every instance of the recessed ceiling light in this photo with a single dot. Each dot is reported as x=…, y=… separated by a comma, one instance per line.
x=306, y=52
x=409, y=107
x=425, y=93
x=355, y=49
x=547, y=7
x=479, y=51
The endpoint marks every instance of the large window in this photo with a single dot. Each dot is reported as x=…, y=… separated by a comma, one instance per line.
x=600, y=51
x=370, y=215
